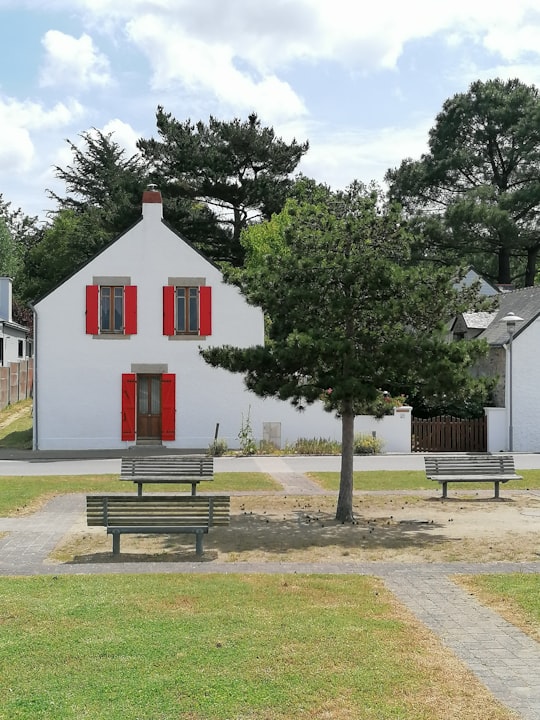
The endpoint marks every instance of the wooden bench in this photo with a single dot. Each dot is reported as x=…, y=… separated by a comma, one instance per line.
x=152, y=514
x=470, y=468
x=167, y=469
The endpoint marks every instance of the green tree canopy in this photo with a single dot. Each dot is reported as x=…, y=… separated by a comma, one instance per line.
x=347, y=313
x=475, y=195
x=238, y=169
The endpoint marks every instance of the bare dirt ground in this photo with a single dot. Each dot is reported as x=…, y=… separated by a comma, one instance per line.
x=394, y=527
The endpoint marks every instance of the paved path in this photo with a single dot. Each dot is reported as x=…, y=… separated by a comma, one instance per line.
x=505, y=659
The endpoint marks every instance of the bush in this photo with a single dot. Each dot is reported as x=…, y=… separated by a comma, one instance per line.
x=314, y=446
x=218, y=448
x=367, y=445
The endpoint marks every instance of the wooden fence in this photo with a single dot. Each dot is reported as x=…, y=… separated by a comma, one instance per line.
x=16, y=382
x=448, y=434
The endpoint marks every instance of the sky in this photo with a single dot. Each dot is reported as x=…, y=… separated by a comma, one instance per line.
x=363, y=81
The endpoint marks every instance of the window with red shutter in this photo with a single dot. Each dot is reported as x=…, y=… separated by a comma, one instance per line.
x=111, y=309
x=187, y=309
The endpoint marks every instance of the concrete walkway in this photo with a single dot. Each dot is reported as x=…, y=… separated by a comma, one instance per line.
x=505, y=659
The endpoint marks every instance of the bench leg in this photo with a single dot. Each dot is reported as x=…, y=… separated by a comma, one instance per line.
x=193, y=488
x=444, y=490
x=116, y=543
x=139, y=489
x=497, y=489
x=199, y=544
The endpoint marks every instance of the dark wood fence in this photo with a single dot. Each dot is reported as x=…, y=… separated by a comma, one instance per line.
x=448, y=434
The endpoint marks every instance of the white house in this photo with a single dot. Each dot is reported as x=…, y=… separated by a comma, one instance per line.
x=117, y=353
x=15, y=339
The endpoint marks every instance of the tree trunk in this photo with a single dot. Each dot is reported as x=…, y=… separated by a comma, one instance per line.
x=530, y=272
x=344, y=510
x=504, y=276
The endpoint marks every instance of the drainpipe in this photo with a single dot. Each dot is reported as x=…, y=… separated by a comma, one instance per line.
x=35, y=442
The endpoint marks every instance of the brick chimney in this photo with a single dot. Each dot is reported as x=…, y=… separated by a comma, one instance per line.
x=152, y=205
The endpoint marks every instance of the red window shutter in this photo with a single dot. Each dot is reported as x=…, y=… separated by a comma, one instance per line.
x=130, y=310
x=168, y=406
x=168, y=310
x=205, y=310
x=129, y=387
x=92, y=304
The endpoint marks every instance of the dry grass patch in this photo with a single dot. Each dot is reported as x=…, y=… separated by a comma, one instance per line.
x=273, y=528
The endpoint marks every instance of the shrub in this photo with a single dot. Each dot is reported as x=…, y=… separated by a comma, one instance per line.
x=367, y=444
x=218, y=448
x=314, y=446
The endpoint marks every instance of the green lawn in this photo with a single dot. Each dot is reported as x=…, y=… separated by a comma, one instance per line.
x=412, y=480
x=23, y=493
x=259, y=647
x=516, y=596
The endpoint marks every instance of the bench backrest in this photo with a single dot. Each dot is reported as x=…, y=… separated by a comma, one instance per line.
x=158, y=510
x=167, y=465
x=469, y=464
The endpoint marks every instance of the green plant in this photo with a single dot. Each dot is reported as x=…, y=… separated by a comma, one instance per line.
x=218, y=448
x=248, y=446
x=314, y=446
x=367, y=444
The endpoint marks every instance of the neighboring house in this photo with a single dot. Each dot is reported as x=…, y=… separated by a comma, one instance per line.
x=117, y=352
x=525, y=386
x=15, y=339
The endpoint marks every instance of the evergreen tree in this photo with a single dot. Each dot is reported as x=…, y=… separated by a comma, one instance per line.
x=347, y=313
x=475, y=195
x=239, y=170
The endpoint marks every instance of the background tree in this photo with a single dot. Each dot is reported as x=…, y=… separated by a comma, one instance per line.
x=347, y=314
x=475, y=195
x=239, y=170
x=70, y=241
x=104, y=181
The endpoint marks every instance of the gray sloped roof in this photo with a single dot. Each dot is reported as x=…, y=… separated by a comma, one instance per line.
x=524, y=303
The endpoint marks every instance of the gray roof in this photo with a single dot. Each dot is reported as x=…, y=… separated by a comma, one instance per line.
x=524, y=303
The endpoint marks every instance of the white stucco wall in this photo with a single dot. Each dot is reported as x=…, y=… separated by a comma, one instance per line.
x=525, y=389
x=77, y=394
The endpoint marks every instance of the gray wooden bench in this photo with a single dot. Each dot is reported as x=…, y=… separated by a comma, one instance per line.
x=470, y=468
x=157, y=514
x=167, y=469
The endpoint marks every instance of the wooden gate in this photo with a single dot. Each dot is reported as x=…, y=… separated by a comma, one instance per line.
x=448, y=434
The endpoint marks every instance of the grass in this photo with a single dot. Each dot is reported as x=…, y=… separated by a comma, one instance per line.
x=16, y=426
x=217, y=647
x=411, y=480
x=24, y=494
x=515, y=596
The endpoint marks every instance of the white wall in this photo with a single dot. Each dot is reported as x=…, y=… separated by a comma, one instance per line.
x=497, y=429
x=525, y=389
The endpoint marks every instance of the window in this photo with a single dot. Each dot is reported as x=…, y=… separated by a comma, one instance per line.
x=187, y=309
x=20, y=350
x=111, y=309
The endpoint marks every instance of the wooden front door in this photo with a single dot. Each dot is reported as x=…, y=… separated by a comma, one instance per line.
x=149, y=407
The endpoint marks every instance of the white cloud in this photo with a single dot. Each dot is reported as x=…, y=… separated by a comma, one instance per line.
x=340, y=158
x=73, y=62
x=21, y=121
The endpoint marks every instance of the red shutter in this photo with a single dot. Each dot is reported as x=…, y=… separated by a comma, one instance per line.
x=205, y=310
x=168, y=406
x=130, y=310
x=92, y=303
x=129, y=387
x=168, y=310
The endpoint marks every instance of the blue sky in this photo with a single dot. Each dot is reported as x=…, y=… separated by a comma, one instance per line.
x=362, y=81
